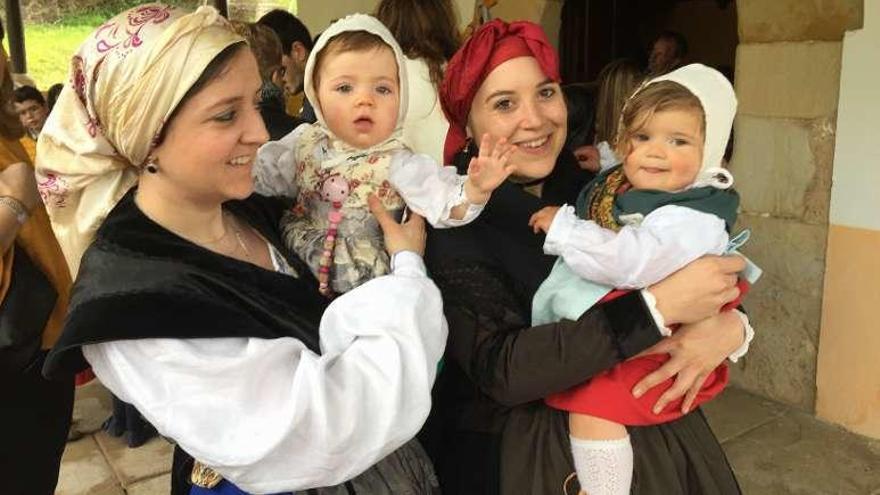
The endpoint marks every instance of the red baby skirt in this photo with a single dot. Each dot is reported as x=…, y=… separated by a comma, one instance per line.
x=609, y=394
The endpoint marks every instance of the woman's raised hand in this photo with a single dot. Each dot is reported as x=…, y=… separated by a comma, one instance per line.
x=698, y=290
x=408, y=236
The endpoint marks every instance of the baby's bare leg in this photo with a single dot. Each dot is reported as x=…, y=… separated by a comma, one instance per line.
x=588, y=427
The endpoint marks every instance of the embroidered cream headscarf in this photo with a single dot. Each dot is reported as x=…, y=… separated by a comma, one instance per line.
x=125, y=81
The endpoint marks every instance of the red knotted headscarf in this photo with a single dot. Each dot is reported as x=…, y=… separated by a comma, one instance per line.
x=494, y=43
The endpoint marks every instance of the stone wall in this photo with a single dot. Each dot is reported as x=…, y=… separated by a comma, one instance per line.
x=787, y=80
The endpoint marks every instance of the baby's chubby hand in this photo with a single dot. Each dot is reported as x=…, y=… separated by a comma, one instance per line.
x=541, y=221
x=488, y=170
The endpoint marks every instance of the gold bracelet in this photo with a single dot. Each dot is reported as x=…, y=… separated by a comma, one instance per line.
x=16, y=207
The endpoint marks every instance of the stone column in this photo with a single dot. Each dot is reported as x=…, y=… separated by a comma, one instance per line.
x=787, y=80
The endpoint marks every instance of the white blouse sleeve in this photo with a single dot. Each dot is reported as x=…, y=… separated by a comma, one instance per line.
x=668, y=238
x=430, y=190
x=274, y=171
x=273, y=416
x=748, y=336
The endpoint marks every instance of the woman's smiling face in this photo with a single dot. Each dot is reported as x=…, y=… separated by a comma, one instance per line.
x=519, y=102
x=211, y=143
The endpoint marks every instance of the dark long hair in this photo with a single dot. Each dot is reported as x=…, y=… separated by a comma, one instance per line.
x=424, y=29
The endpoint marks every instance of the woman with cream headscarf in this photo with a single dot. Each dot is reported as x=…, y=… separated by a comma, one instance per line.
x=187, y=304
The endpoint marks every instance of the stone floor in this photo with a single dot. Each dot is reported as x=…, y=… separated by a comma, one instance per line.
x=774, y=451
x=98, y=464
x=779, y=451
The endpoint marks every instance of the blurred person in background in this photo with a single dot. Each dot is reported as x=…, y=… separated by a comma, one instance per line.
x=52, y=94
x=32, y=111
x=296, y=44
x=266, y=47
x=616, y=83
x=427, y=33
x=668, y=53
x=34, y=288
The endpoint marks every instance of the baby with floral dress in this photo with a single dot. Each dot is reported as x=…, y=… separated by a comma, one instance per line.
x=356, y=80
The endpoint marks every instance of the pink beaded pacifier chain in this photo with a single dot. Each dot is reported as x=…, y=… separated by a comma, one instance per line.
x=334, y=190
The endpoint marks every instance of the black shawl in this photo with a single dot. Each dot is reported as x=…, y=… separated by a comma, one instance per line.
x=138, y=280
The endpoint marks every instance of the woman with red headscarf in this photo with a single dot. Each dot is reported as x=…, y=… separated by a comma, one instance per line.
x=490, y=431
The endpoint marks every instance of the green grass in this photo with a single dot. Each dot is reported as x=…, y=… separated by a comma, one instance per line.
x=49, y=49
x=50, y=46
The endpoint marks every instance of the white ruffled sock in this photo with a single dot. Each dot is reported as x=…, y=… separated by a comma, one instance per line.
x=604, y=467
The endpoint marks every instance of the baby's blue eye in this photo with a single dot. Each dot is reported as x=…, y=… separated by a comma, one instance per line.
x=344, y=88
x=384, y=90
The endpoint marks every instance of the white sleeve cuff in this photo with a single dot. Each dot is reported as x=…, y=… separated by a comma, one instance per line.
x=408, y=264
x=651, y=303
x=461, y=196
x=473, y=209
x=560, y=230
x=749, y=335
x=431, y=190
